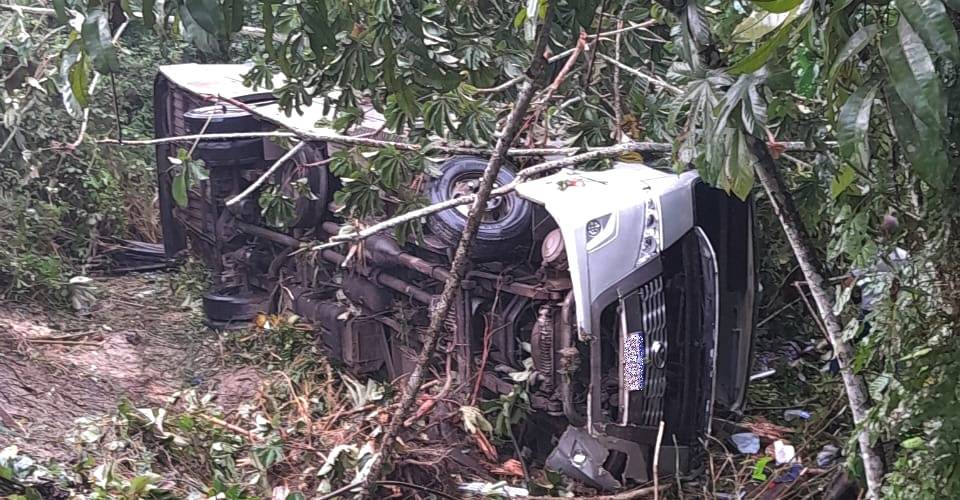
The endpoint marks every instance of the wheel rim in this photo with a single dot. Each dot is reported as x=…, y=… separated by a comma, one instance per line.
x=497, y=209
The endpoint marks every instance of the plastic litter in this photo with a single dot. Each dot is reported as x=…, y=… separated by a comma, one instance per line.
x=827, y=455
x=501, y=489
x=746, y=442
x=790, y=475
x=791, y=415
x=783, y=453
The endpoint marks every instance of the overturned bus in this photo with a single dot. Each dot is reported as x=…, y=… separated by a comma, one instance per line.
x=628, y=293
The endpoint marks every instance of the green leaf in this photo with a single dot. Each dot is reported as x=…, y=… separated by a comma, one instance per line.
x=317, y=25
x=921, y=146
x=60, y=8
x=757, y=25
x=235, y=14
x=877, y=386
x=776, y=6
x=208, y=15
x=930, y=20
x=758, y=469
x=919, y=353
x=179, y=189
x=913, y=443
x=913, y=75
x=196, y=34
x=149, y=18
x=585, y=10
x=842, y=181
x=759, y=57
x=97, y=41
x=79, y=82
x=853, y=125
x=520, y=18
x=739, y=171
x=856, y=43
x=729, y=162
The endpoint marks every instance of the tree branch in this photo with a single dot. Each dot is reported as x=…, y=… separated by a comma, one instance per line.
x=461, y=259
x=516, y=80
x=854, y=384
x=522, y=176
x=91, y=89
x=617, y=99
x=656, y=81
x=266, y=175
x=193, y=137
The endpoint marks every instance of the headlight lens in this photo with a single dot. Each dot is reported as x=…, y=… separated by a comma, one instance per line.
x=652, y=238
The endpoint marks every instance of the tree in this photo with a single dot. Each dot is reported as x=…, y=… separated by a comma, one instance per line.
x=870, y=86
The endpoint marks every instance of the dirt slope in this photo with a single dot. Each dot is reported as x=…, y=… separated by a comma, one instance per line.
x=137, y=343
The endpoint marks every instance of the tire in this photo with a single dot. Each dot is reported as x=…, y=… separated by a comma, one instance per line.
x=231, y=304
x=237, y=153
x=308, y=212
x=224, y=119
x=505, y=228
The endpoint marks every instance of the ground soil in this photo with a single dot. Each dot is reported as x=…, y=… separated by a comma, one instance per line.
x=138, y=342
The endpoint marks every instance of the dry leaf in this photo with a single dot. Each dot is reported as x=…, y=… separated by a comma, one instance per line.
x=512, y=467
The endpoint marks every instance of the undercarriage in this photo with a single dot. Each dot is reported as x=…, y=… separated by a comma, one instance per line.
x=610, y=344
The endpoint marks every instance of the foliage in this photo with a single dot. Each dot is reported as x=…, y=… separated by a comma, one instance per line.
x=878, y=78
x=56, y=199
x=296, y=435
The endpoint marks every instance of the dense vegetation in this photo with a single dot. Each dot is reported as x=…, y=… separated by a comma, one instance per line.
x=870, y=86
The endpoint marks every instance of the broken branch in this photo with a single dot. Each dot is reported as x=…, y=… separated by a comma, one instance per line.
x=522, y=176
x=227, y=425
x=461, y=259
x=656, y=81
x=193, y=137
x=266, y=175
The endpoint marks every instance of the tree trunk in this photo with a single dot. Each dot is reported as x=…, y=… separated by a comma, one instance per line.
x=855, y=385
x=461, y=259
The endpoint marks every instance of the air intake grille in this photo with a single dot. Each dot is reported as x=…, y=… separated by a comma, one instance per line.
x=646, y=404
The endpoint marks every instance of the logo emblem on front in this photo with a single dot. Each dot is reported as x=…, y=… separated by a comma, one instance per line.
x=658, y=355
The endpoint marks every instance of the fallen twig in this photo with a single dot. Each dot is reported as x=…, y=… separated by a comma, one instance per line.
x=64, y=342
x=656, y=463
x=617, y=104
x=854, y=383
x=266, y=175
x=417, y=487
x=69, y=336
x=431, y=401
x=227, y=425
x=556, y=57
